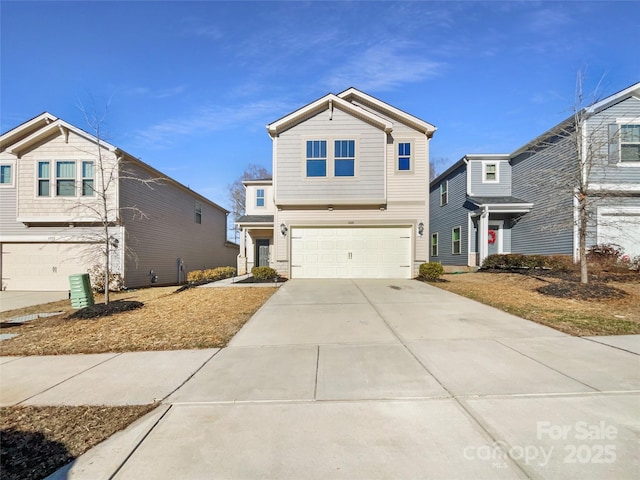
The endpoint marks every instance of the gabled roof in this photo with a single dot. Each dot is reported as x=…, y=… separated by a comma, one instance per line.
x=19, y=139
x=632, y=91
x=43, y=131
x=328, y=102
x=356, y=96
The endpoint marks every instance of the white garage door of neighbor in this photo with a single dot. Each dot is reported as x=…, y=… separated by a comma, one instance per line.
x=351, y=252
x=41, y=266
x=621, y=228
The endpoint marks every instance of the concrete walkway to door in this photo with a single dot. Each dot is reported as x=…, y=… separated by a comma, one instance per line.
x=367, y=379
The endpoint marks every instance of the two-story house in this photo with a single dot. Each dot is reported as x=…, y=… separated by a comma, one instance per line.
x=348, y=196
x=52, y=215
x=526, y=202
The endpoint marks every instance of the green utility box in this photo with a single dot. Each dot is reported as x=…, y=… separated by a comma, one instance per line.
x=81, y=292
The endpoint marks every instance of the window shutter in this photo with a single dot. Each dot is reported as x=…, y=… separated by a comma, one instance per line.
x=614, y=144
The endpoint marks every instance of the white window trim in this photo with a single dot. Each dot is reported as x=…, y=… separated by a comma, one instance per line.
x=484, y=171
x=431, y=254
x=197, y=210
x=412, y=156
x=12, y=164
x=54, y=174
x=38, y=178
x=459, y=227
x=83, y=178
x=620, y=122
x=263, y=197
x=446, y=183
x=331, y=158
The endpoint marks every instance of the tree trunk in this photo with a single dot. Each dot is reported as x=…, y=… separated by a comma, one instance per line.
x=582, y=232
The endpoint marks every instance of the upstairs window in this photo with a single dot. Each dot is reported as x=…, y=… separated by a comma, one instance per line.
x=434, y=244
x=5, y=175
x=316, y=158
x=630, y=143
x=198, y=212
x=87, y=179
x=455, y=241
x=345, y=158
x=404, y=156
x=444, y=193
x=44, y=179
x=65, y=179
x=490, y=172
x=260, y=197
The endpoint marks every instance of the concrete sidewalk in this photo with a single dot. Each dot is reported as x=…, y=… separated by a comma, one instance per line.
x=363, y=379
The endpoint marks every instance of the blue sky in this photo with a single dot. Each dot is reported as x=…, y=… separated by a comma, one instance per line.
x=191, y=85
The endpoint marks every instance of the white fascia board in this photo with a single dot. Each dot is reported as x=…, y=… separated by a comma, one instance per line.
x=64, y=220
x=46, y=131
x=45, y=117
x=509, y=207
x=324, y=202
x=633, y=90
x=45, y=238
x=615, y=187
x=488, y=156
x=264, y=226
x=427, y=127
x=276, y=127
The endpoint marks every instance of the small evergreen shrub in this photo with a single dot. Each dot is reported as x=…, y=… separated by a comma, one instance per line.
x=263, y=273
x=210, y=274
x=515, y=261
x=430, y=271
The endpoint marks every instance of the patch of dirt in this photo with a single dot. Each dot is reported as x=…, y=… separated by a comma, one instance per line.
x=102, y=310
x=36, y=441
x=195, y=318
x=582, y=291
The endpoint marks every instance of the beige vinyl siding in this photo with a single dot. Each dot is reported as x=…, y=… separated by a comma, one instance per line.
x=168, y=231
x=251, y=194
x=60, y=209
x=413, y=185
x=404, y=214
x=368, y=182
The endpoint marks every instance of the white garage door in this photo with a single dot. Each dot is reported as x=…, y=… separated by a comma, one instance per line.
x=351, y=252
x=41, y=266
x=621, y=226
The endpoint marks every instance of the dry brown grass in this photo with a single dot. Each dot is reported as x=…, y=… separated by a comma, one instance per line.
x=36, y=441
x=195, y=318
x=516, y=294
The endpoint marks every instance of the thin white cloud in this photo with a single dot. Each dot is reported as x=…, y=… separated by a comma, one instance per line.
x=209, y=119
x=155, y=93
x=383, y=67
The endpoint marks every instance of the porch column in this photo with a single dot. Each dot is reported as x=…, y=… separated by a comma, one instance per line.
x=483, y=235
x=242, y=255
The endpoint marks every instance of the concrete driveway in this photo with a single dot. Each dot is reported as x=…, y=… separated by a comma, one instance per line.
x=19, y=299
x=367, y=379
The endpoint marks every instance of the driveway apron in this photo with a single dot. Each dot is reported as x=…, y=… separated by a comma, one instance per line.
x=368, y=379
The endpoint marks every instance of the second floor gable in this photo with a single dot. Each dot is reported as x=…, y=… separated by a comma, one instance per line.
x=349, y=149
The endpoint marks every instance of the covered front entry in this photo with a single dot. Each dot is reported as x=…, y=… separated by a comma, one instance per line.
x=351, y=252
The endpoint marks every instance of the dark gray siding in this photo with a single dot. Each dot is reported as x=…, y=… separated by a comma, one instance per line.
x=605, y=170
x=442, y=219
x=480, y=189
x=546, y=179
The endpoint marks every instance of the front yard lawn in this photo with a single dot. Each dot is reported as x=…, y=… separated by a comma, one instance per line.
x=194, y=318
x=517, y=293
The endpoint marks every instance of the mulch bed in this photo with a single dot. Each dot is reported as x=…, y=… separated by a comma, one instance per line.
x=36, y=441
x=102, y=310
x=582, y=291
x=255, y=280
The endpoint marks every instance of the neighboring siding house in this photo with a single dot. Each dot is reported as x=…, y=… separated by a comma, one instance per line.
x=49, y=227
x=524, y=202
x=349, y=192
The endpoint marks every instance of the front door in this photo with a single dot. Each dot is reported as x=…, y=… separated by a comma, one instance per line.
x=494, y=238
x=262, y=252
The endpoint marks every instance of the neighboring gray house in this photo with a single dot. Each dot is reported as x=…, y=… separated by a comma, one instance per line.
x=348, y=196
x=48, y=224
x=523, y=202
